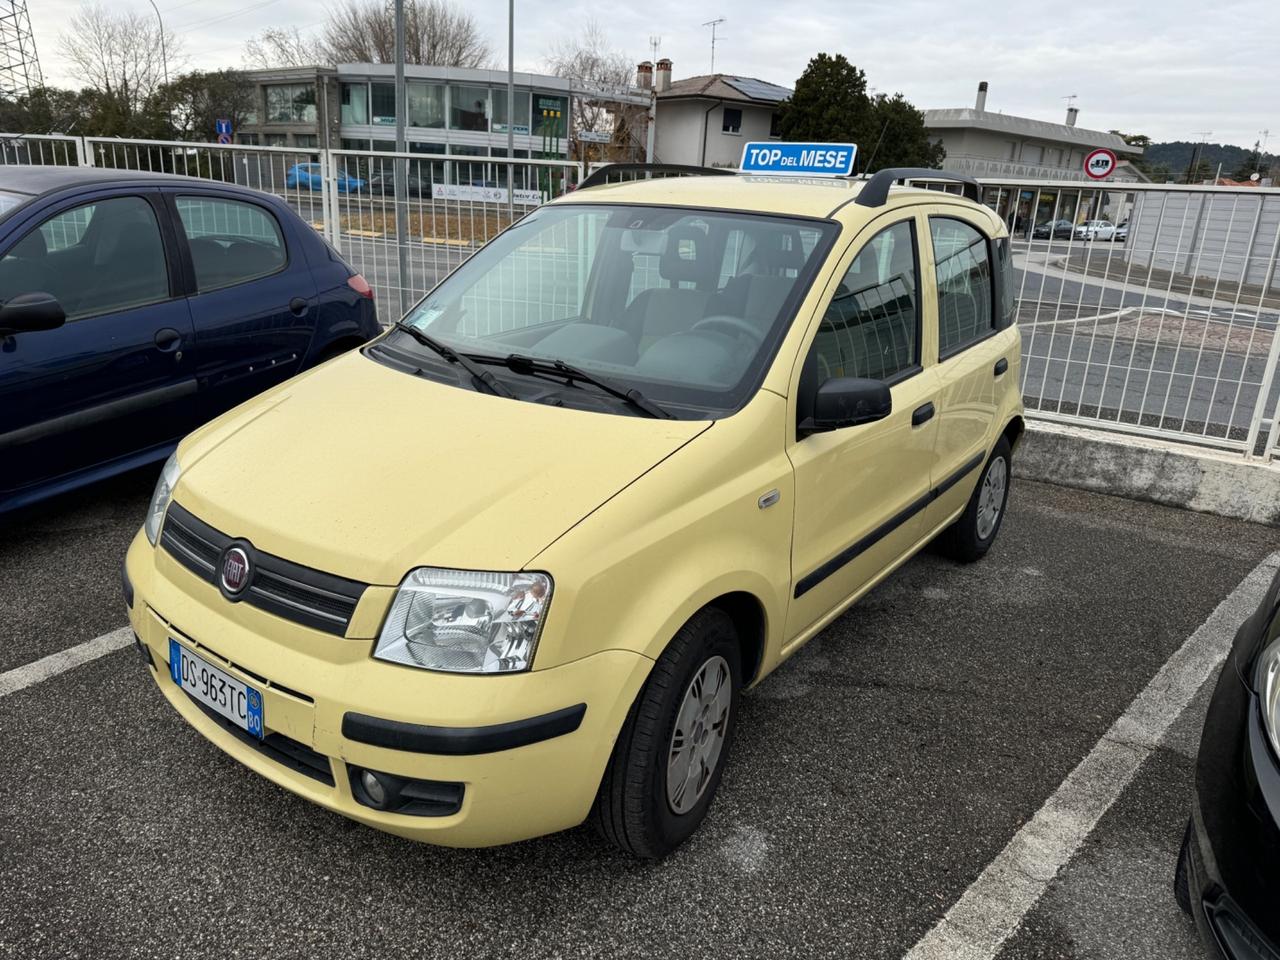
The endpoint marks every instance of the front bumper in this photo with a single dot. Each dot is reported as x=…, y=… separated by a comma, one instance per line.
x=1235, y=849
x=313, y=683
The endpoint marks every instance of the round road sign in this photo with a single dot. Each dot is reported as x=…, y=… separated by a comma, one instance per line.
x=1100, y=164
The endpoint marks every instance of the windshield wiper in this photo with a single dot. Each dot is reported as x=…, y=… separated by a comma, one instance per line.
x=453, y=356
x=522, y=364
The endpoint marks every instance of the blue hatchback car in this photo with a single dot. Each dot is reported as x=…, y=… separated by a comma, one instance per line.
x=307, y=176
x=136, y=306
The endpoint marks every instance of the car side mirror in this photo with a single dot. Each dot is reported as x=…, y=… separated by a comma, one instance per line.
x=29, y=312
x=846, y=402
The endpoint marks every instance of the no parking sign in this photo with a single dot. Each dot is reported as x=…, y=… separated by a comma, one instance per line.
x=223, y=129
x=1100, y=164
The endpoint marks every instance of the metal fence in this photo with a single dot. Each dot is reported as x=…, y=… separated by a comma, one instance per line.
x=1146, y=309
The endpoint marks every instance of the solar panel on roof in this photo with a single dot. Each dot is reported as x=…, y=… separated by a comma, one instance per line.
x=757, y=89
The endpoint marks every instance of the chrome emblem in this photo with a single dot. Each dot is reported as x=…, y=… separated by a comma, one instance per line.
x=235, y=570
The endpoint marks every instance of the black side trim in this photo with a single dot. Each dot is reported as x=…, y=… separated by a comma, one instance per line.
x=847, y=555
x=100, y=413
x=126, y=585
x=461, y=741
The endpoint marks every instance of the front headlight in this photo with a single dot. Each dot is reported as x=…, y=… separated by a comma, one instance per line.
x=1269, y=688
x=464, y=621
x=160, y=498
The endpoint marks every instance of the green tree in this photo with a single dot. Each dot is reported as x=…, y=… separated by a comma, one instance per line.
x=830, y=103
x=1133, y=139
x=194, y=101
x=901, y=138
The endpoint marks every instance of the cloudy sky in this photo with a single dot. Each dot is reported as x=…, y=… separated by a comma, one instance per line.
x=1171, y=70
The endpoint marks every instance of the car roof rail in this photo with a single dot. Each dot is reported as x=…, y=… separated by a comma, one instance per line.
x=601, y=176
x=875, y=191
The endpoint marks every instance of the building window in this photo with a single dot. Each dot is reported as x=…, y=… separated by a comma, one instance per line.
x=469, y=108
x=732, y=122
x=291, y=103
x=426, y=104
x=359, y=144
x=384, y=103
x=499, y=124
x=550, y=116
x=1013, y=149
x=309, y=140
x=276, y=140
x=774, y=121
x=1032, y=153
x=355, y=102
x=249, y=139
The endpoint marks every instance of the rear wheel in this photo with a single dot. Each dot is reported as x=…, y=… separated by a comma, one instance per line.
x=667, y=763
x=971, y=536
x=1182, y=873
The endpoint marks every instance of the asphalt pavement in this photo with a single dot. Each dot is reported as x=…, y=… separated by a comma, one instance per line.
x=874, y=777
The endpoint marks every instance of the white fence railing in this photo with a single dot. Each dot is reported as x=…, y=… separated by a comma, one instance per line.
x=1162, y=320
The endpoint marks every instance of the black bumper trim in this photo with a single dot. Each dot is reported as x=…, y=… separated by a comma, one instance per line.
x=461, y=741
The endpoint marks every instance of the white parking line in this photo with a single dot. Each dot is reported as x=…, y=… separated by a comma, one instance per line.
x=989, y=912
x=19, y=678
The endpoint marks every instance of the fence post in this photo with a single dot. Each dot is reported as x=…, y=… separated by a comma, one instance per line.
x=329, y=199
x=1269, y=372
x=84, y=154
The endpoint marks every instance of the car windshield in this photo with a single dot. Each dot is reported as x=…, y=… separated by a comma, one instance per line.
x=686, y=305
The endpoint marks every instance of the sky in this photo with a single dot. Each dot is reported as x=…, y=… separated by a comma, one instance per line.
x=1177, y=70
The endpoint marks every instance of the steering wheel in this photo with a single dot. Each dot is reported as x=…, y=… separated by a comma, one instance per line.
x=734, y=325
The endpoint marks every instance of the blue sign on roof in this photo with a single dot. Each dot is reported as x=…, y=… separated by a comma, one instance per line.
x=799, y=159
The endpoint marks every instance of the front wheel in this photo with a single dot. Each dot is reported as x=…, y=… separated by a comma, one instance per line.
x=667, y=763
x=971, y=536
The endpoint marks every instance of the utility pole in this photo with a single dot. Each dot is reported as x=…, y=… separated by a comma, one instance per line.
x=713, y=24
x=511, y=110
x=164, y=56
x=401, y=165
x=1195, y=154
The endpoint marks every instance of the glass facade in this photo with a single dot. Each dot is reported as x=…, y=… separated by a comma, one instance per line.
x=291, y=103
x=384, y=103
x=550, y=116
x=355, y=102
x=469, y=108
x=499, y=124
x=426, y=104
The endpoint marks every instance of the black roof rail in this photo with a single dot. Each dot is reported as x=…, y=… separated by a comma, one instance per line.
x=875, y=191
x=601, y=176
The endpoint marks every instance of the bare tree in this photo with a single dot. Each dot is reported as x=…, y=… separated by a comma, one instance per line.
x=436, y=32
x=596, y=68
x=284, y=47
x=118, y=53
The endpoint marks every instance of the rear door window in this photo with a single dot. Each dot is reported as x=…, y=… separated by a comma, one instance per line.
x=231, y=242
x=961, y=255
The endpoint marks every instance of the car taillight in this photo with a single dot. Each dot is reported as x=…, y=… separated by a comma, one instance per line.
x=360, y=285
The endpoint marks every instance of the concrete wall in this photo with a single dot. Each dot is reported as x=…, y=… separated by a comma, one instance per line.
x=1180, y=476
x=1206, y=234
x=679, y=132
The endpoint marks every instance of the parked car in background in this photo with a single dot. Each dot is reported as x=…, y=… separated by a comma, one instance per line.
x=1122, y=233
x=306, y=176
x=1228, y=872
x=136, y=306
x=1054, y=229
x=1096, y=230
x=385, y=185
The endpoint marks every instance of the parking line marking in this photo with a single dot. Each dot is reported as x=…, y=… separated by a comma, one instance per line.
x=990, y=911
x=19, y=678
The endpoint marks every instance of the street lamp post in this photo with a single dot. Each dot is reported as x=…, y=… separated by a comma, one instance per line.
x=511, y=109
x=164, y=56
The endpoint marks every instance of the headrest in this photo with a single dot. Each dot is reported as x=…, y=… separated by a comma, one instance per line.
x=681, y=260
x=31, y=247
x=776, y=251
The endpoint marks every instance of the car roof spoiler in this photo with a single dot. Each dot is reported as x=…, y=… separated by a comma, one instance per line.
x=875, y=191
x=602, y=176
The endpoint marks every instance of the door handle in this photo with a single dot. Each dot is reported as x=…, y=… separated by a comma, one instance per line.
x=922, y=414
x=298, y=306
x=168, y=339
x=1001, y=366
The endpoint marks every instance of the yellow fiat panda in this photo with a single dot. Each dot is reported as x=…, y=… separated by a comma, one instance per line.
x=510, y=566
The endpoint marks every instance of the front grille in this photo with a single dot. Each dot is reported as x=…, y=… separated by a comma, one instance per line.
x=309, y=597
x=285, y=751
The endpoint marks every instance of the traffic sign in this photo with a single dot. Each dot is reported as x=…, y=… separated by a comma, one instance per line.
x=222, y=127
x=799, y=159
x=1100, y=164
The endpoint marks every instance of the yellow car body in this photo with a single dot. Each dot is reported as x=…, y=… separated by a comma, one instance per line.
x=639, y=522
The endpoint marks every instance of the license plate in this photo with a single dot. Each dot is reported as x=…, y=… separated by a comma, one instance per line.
x=216, y=689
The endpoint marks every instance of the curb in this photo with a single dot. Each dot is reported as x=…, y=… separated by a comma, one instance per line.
x=1178, y=475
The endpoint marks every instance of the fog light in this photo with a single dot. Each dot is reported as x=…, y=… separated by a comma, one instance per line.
x=373, y=789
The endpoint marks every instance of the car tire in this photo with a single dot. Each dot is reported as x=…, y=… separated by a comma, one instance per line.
x=970, y=537
x=1182, y=873
x=635, y=808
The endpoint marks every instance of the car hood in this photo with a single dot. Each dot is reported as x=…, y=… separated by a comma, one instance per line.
x=366, y=472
